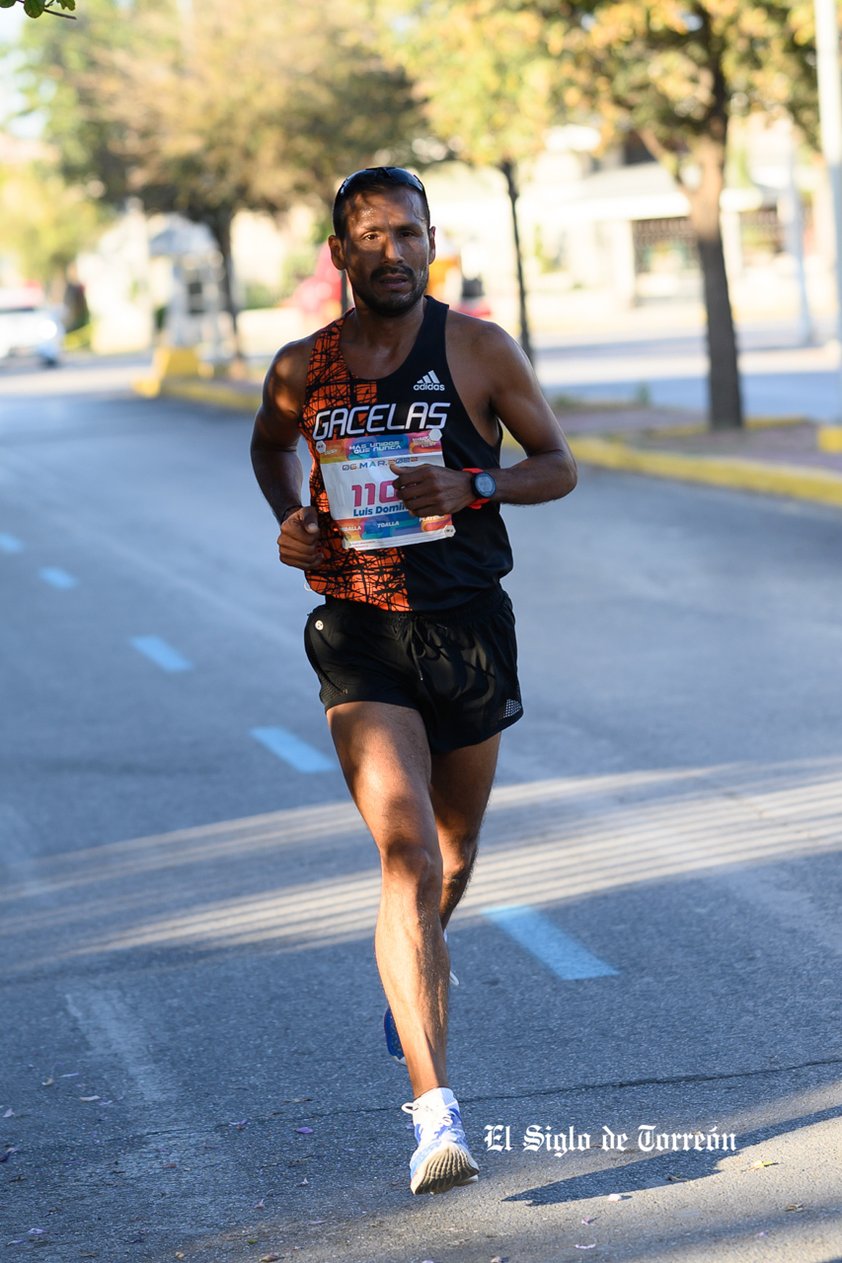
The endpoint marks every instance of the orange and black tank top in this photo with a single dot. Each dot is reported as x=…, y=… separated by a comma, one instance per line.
x=344, y=413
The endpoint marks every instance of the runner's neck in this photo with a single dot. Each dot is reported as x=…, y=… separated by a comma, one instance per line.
x=375, y=346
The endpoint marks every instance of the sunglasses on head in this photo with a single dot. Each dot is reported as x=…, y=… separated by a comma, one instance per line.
x=397, y=174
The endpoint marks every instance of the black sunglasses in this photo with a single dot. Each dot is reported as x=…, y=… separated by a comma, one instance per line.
x=397, y=174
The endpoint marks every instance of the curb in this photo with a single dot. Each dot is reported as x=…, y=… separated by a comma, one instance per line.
x=217, y=394
x=702, y=427
x=223, y=396
x=797, y=482
x=830, y=438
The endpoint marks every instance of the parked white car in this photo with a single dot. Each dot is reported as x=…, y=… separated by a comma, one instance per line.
x=29, y=327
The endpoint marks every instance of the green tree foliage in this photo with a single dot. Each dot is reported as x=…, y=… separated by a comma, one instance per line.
x=486, y=81
x=46, y=222
x=36, y=8
x=212, y=109
x=676, y=71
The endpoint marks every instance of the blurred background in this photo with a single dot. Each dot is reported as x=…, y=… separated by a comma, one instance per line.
x=167, y=168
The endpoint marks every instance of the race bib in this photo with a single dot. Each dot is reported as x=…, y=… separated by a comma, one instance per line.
x=362, y=494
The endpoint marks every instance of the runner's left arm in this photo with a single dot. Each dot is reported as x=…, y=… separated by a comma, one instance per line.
x=548, y=470
x=501, y=384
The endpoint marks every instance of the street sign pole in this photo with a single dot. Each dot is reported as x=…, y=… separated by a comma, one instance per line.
x=830, y=113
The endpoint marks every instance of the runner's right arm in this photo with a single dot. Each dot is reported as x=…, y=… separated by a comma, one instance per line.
x=274, y=457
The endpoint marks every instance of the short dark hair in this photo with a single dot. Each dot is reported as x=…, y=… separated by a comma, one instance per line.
x=371, y=180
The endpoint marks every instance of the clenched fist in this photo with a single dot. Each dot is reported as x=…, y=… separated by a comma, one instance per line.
x=300, y=543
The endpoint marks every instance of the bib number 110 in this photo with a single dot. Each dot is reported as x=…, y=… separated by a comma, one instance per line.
x=367, y=494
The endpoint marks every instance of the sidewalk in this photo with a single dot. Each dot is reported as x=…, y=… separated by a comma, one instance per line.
x=772, y=456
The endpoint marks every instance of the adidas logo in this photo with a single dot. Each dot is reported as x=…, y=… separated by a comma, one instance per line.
x=428, y=382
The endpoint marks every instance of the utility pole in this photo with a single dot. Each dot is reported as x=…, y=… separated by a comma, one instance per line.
x=830, y=114
x=793, y=217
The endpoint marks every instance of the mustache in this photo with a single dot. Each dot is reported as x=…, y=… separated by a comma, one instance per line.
x=382, y=274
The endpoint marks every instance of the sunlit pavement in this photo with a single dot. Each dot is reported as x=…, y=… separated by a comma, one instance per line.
x=193, y=1062
x=668, y=368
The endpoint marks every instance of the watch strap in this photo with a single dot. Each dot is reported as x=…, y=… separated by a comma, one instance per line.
x=481, y=501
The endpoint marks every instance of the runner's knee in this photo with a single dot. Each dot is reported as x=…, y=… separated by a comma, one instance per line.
x=409, y=861
x=460, y=851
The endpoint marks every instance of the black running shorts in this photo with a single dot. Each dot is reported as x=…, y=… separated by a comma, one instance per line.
x=456, y=667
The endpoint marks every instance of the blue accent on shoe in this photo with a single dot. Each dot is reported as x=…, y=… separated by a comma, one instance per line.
x=393, y=1039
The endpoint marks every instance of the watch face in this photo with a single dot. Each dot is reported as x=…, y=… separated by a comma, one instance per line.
x=484, y=486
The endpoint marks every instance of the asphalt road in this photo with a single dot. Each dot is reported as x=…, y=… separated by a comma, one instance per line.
x=192, y=1061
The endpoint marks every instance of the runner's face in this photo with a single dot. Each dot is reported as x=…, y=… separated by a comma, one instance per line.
x=386, y=250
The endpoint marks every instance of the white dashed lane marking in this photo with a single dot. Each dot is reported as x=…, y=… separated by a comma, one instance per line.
x=546, y=942
x=57, y=578
x=162, y=654
x=297, y=753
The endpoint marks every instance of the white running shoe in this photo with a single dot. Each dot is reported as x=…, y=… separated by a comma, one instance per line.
x=442, y=1159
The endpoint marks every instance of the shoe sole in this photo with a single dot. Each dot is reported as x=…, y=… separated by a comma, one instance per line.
x=449, y=1167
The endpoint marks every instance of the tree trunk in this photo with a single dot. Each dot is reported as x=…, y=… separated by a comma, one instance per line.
x=220, y=226
x=508, y=170
x=725, y=408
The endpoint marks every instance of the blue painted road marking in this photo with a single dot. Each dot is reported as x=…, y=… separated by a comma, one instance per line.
x=10, y=544
x=300, y=755
x=57, y=578
x=159, y=652
x=555, y=949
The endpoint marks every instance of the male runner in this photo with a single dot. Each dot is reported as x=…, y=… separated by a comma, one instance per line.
x=400, y=402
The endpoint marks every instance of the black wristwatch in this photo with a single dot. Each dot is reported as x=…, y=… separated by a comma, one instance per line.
x=484, y=487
